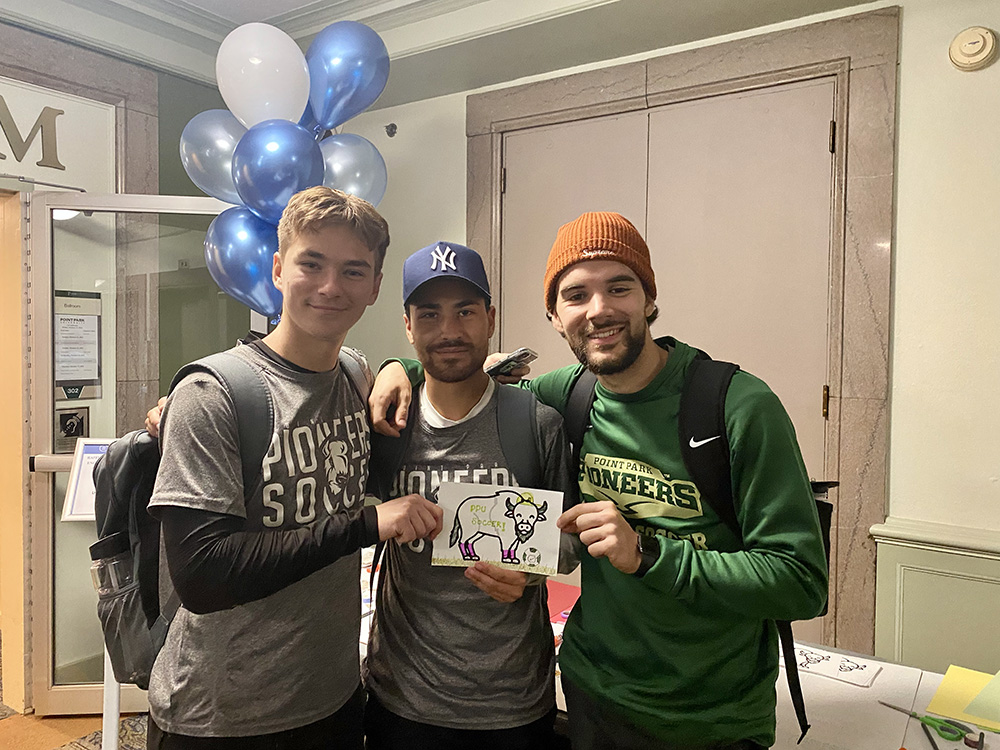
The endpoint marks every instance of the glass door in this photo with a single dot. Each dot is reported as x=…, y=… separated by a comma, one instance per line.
x=119, y=299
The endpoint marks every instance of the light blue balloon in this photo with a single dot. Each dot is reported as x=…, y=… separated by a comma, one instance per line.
x=207, y=145
x=272, y=162
x=348, y=68
x=239, y=253
x=354, y=165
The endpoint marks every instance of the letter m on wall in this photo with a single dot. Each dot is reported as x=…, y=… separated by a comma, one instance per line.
x=45, y=125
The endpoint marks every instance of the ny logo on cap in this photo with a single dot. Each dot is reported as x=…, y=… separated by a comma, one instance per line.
x=444, y=255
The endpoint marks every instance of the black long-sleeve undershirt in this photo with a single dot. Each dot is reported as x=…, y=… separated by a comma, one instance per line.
x=215, y=564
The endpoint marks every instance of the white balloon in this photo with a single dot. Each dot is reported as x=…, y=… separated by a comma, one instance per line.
x=262, y=74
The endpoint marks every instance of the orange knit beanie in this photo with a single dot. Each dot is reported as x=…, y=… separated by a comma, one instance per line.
x=598, y=235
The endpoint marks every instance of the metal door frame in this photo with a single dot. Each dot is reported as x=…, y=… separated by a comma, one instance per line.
x=46, y=697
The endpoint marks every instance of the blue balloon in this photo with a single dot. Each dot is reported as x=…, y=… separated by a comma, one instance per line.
x=207, y=145
x=354, y=165
x=271, y=163
x=308, y=121
x=348, y=68
x=239, y=253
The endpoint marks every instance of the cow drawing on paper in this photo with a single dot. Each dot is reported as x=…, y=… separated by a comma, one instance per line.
x=507, y=515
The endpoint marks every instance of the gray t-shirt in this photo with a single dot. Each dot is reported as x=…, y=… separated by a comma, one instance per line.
x=441, y=651
x=291, y=658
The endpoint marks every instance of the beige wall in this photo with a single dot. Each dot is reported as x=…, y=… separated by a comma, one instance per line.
x=945, y=339
x=945, y=449
x=424, y=202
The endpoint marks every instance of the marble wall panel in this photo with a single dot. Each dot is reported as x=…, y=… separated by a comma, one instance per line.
x=139, y=134
x=138, y=346
x=872, y=121
x=35, y=58
x=867, y=289
x=133, y=399
x=616, y=89
x=863, y=456
x=866, y=38
x=479, y=195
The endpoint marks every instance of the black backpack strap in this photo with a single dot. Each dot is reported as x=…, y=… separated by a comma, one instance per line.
x=792, y=675
x=702, y=432
x=705, y=449
x=576, y=415
x=516, y=414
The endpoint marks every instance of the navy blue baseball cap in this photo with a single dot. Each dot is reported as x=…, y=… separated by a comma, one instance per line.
x=443, y=260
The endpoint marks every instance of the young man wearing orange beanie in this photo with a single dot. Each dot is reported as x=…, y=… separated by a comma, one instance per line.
x=672, y=643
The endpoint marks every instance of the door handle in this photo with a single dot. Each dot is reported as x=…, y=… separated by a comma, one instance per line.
x=50, y=463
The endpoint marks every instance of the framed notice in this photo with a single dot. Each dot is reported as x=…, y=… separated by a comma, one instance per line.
x=76, y=325
x=79, y=503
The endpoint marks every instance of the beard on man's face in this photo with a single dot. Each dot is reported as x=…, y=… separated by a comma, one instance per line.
x=462, y=365
x=602, y=365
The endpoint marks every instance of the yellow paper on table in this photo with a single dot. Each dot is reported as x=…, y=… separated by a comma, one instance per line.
x=958, y=688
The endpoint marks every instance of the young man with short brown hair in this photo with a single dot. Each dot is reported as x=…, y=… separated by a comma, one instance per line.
x=263, y=652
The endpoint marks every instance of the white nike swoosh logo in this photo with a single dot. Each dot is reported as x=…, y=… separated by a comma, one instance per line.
x=698, y=443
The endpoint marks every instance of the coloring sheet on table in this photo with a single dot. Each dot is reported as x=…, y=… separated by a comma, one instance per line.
x=512, y=527
x=852, y=669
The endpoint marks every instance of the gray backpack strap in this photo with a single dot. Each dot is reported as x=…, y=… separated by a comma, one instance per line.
x=516, y=412
x=254, y=425
x=356, y=376
x=252, y=402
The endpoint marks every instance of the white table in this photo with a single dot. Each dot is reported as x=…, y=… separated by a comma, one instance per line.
x=847, y=717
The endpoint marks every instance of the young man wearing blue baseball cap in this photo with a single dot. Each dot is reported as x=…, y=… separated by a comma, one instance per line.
x=460, y=658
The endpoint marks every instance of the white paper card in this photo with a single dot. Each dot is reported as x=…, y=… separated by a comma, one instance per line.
x=512, y=527
x=851, y=669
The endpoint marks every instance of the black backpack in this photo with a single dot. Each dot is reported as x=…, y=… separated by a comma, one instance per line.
x=133, y=617
x=702, y=413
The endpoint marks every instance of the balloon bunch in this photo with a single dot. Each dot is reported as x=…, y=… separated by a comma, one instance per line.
x=272, y=141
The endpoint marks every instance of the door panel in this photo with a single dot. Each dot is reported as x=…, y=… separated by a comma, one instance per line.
x=740, y=191
x=554, y=174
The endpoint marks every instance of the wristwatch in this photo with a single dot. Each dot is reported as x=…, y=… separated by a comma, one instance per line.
x=649, y=553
